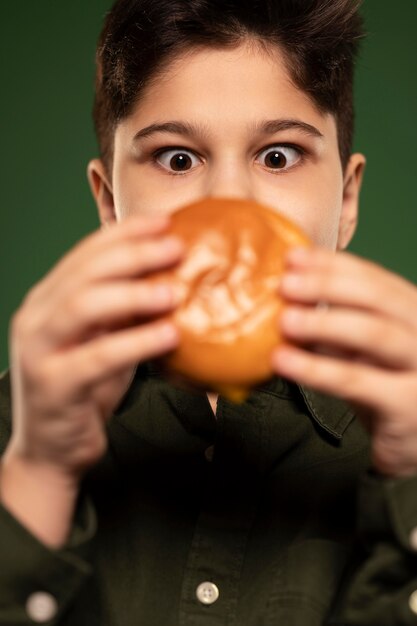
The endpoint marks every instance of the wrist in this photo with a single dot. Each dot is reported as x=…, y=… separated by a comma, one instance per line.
x=41, y=465
x=41, y=497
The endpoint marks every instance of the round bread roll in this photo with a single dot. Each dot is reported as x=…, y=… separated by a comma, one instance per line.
x=228, y=293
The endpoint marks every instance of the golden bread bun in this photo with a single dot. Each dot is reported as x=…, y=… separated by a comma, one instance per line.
x=228, y=286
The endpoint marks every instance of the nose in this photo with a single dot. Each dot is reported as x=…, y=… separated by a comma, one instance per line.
x=230, y=180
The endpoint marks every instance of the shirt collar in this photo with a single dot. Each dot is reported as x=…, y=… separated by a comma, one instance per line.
x=333, y=415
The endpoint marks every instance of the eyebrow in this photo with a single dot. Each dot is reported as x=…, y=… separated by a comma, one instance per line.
x=268, y=127
x=175, y=128
x=271, y=127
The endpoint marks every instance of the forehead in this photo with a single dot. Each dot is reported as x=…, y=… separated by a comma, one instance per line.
x=228, y=90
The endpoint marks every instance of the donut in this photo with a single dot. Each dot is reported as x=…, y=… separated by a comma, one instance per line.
x=227, y=287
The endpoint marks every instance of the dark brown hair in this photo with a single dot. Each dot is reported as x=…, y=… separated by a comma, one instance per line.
x=320, y=40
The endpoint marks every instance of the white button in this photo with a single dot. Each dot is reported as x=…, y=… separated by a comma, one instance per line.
x=41, y=607
x=208, y=453
x=412, y=602
x=413, y=539
x=207, y=593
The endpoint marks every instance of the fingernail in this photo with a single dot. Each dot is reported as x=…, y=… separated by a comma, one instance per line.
x=283, y=358
x=172, y=244
x=292, y=283
x=168, y=333
x=168, y=294
x=291, y=319
x=298, y=255
x=163, y=294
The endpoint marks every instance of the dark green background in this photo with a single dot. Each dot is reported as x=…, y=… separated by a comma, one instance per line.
x=47, y=69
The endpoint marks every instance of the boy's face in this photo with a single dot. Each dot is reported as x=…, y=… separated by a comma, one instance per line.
x=233, y=125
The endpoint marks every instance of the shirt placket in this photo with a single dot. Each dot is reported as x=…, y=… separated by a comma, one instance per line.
x=210, y=589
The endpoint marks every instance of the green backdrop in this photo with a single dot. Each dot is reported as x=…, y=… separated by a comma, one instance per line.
x=47, y=69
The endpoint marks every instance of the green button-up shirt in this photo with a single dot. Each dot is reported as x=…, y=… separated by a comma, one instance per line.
x=265, y=515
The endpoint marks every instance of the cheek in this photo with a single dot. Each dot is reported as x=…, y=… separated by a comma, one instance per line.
x=137, y=193
x=322, y=224
x=314, y=205
x=134, y=191
x=328, y=236
x=134, y=194
x=322, y=197
x=324, y=216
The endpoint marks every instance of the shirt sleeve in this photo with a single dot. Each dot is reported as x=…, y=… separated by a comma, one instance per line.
x=38, y=584
x=381, y=587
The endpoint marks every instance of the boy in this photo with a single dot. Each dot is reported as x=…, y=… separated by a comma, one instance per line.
x=127, y=500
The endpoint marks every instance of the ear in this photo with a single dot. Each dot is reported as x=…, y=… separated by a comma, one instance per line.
x=352, y=183
x=102, y=191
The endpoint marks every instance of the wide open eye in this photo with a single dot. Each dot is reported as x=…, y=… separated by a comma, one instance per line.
x=280, y=157
x=177, y=160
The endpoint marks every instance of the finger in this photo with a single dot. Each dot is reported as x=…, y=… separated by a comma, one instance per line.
x=386, y=342
x=70, y=294
x=135, y=260
x=355, y=382
x=81, y=367
x=343, y=279
x=91, y=250
x=132, y=228
x=105, y=306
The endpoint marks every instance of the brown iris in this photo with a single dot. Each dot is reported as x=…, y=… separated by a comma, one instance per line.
x=275, y=159
x=180, y=162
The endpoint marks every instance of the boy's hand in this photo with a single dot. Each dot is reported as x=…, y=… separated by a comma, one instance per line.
x=355, y=326
x=77, y=337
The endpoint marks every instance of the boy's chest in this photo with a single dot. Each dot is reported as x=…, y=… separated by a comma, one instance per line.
x=251, y=524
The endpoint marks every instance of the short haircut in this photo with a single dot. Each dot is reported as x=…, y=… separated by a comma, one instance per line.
x=319, y=38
